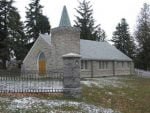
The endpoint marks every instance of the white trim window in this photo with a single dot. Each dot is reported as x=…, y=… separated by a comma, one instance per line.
x=103, y=64
x=84, y=64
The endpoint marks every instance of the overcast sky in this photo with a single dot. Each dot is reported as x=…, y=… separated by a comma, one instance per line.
x=106, y=12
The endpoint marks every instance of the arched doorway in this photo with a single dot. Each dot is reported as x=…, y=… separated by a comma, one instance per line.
x=42, y=64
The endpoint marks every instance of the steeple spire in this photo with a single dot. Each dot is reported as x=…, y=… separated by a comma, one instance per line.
x=65, y=21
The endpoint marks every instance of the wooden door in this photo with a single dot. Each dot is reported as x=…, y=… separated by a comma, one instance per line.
x=42, y=64
x=42, y=67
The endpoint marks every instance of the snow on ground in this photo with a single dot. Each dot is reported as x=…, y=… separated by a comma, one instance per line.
x=29, y=102
x=142, y=73
x=102, y=82
x=55, y=85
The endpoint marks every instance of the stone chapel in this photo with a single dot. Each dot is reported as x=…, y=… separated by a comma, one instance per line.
x=97, y=58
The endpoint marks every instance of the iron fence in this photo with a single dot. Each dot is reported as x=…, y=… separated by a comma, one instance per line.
x=17, y=82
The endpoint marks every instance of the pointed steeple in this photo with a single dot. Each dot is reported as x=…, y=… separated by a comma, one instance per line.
x=65, y=21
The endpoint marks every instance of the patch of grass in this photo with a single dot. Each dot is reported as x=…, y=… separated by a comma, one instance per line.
x=68, y=108
x=48, y=96
x=132, y=98
x=3, y=106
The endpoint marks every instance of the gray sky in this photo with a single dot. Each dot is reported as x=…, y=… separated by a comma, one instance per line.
x=106, y=12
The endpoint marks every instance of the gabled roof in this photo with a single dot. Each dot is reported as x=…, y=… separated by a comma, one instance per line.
x=93, y=50
x=43, y=37
x=64, y=21
x=46, y=37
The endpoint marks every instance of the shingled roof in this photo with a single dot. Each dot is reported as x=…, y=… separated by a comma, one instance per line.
x=93, y=50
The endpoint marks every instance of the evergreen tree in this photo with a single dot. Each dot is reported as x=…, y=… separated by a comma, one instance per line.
x=86, y=22
x=101, y=35
x=122, y=39
x=5, y=8
x=11, y=32
x=142, y=36
x=17, y=39
x=43, y=24
x=36, y=22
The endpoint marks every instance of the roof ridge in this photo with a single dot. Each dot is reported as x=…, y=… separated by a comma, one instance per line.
x=45, y=38
x=95, y=41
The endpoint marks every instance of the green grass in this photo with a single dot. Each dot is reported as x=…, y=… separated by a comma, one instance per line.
x=68, y=108
x=133, y=98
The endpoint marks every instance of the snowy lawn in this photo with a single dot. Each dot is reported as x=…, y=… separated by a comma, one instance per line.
x=37, y=105
x=127, y=94
x=106, y=81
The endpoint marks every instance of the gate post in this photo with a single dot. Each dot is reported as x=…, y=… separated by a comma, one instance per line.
x=71, y=82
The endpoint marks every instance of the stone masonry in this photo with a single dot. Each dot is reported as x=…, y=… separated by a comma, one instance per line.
x=31, y=61
x=114, y=68
x=71, y=81
x=64, y=40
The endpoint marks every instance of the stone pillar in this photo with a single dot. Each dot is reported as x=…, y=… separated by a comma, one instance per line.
x=71, y=82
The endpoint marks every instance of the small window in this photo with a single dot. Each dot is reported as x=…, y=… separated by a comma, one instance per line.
x=118, y=63
x=106, y=65
x=84, y=64
x=122, y=64
x=100, y=65
x=128, y=64
x=103, y=64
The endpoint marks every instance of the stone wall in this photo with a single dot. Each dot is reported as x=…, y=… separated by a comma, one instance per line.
x=122, y=70
x=102, y=72
x=113, y=68
x=64, y=40
x=31, y=61
x=87, y=72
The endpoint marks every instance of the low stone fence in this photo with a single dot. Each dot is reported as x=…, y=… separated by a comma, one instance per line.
x=142, y=73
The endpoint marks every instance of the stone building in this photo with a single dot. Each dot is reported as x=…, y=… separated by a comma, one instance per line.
x=97, y=58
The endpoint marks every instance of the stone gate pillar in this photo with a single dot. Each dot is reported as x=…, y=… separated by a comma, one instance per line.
x=71, y=80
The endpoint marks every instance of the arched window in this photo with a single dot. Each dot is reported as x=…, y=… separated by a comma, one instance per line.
x=42, y=64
